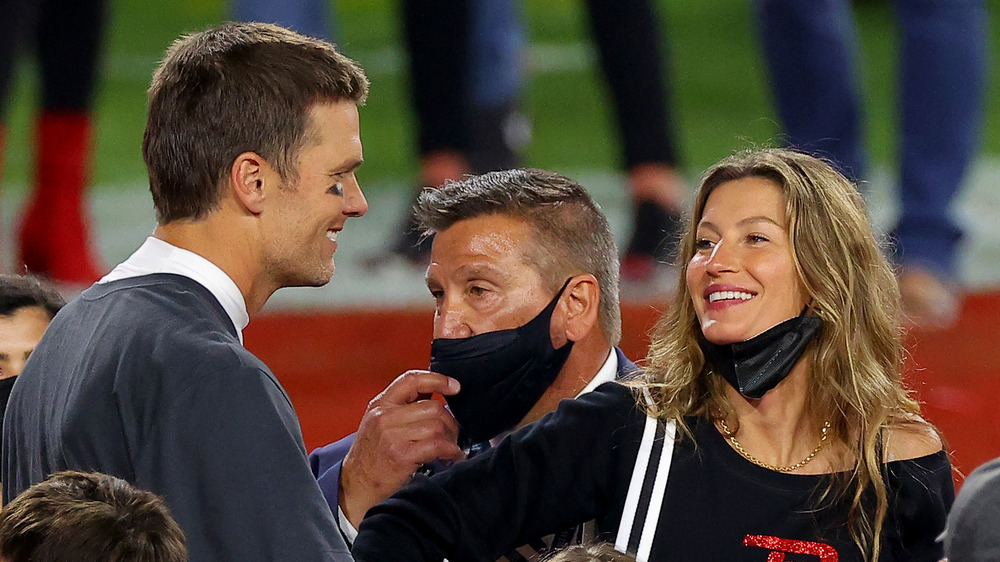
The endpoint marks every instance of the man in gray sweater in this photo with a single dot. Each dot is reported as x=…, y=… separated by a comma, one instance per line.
x=252, y=144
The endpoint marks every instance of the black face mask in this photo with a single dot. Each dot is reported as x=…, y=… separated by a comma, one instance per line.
x=502, y=373
x=5, y=387
x=757, y=365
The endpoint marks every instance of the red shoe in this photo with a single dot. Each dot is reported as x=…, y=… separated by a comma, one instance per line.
x=55, y=233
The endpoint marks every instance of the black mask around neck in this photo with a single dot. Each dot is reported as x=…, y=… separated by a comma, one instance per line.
x=502, y=373
x=758, y=364
x=6, y=385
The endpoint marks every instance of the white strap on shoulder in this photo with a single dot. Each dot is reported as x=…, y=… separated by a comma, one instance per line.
x=646, y=489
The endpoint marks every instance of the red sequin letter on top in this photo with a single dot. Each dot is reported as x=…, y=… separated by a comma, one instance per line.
x=780, y=547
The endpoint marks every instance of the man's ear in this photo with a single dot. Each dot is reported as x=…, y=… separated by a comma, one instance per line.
x=581, y=301
x=247, y=177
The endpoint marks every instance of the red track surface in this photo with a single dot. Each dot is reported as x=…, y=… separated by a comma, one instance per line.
x=333, y=362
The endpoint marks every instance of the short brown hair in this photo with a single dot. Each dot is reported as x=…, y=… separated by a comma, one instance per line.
x=571, y=234
x=234, y=88
x=24, y=291
x=73, y=516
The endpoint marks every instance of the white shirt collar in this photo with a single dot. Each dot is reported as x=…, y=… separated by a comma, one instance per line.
x=157, y=256
x=607, y=373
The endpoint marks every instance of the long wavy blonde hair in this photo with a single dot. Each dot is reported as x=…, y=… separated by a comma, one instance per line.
x=856, y=373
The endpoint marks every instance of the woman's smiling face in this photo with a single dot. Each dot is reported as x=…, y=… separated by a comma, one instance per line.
x=742, y=276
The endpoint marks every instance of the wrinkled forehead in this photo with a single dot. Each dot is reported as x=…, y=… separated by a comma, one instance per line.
x=496, y=235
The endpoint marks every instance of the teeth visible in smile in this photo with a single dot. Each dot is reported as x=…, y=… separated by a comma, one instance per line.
x=332, y=235
x=729, y=295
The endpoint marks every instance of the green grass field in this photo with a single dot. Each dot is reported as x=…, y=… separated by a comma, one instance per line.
x=720, y=95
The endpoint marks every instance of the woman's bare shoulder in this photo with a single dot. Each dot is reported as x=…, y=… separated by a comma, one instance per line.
x=911, y=437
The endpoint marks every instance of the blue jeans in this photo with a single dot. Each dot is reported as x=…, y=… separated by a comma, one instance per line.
x=811, y=51
x=309, y=17
x=495, y=51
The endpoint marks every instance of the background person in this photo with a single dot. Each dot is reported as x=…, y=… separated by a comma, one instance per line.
x=727, y=457
x=252, y=143
x=811, y=49
x=309, y=17
x=72, y=516
x=467, y=71
x=66, y=37
x=971, y=534
x=27, y=305
x=524, y=252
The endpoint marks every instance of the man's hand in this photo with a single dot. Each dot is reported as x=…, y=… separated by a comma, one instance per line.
x=402, y=429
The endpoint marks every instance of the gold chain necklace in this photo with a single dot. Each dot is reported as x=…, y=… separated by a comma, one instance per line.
x=743, y=452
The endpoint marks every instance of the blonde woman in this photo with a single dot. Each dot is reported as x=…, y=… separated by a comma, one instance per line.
x=772, y=418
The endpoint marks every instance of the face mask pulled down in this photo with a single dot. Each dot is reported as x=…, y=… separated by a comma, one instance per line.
x=6, y=385
x=502, y=373
x=758, y=364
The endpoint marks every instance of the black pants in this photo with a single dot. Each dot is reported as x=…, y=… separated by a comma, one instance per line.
x=631, y=55
x=66, y=36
